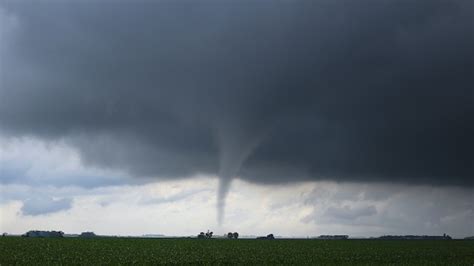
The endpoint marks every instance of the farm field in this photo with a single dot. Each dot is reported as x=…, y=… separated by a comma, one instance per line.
x=41, y=251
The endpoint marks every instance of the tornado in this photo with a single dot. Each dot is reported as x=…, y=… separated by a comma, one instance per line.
x=222, y=190
x=235, y=146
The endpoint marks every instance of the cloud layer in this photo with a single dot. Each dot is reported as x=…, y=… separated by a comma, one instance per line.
x=45, y=205
x=305, y=209
x=270, y=92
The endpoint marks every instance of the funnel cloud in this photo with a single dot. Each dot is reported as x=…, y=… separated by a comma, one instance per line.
x=268, y=92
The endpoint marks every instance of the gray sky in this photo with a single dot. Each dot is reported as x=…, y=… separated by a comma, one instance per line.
x=374, y=96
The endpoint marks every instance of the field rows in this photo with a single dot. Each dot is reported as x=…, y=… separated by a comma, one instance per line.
x=16, y=250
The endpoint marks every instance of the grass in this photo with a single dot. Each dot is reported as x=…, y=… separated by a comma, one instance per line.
x=77, y=251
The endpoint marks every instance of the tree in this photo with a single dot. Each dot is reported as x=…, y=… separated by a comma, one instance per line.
x=235, y=235
x=209, y=234
x=201, y=235
x=270, y=236
x=230, y=235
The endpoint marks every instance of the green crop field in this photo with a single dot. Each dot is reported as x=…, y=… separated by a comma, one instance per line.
x=43, y=251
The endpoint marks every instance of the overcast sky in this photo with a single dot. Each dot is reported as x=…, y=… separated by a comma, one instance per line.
x=137, y=117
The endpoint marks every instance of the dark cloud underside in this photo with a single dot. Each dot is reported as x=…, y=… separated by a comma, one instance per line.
x=272, y=92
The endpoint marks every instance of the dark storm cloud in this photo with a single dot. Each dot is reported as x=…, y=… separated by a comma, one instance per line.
x=349, y=213
x=270, y=92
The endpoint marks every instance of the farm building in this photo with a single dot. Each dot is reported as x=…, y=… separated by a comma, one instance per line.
x=87, y=234
x=37, y=233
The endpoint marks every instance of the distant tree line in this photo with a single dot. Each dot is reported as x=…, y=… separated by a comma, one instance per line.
x=209, y=235
x=268, y=237
x=233, y=235
x=413, y=237
x=203, y=235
